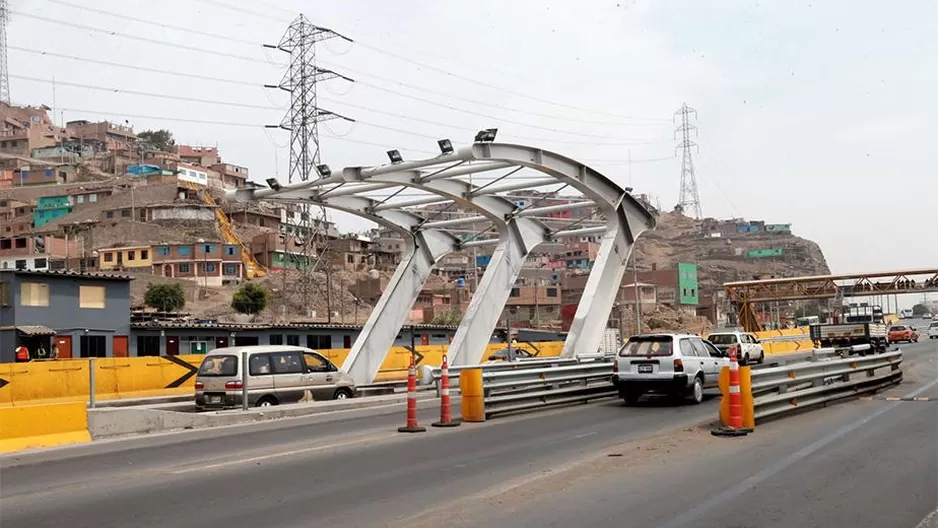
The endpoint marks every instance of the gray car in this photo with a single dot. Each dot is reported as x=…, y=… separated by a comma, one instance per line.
x=276, y=374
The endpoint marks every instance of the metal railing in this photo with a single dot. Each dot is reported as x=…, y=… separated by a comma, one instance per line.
x=792, y=387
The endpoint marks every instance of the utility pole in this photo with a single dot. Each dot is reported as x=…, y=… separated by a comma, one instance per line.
x=4, y=68
x=689, y=202
x=638, y=304
x=302, y=120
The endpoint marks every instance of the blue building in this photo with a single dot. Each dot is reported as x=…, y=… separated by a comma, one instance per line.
x=81, y=314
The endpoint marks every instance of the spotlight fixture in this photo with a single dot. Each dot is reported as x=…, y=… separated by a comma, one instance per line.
x=273, y=184
x=446, y=146
x=628, y=189
x=395, y=156
x=324, y=170
x=486, y=136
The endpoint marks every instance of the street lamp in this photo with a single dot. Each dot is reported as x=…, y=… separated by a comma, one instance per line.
x=201, y=242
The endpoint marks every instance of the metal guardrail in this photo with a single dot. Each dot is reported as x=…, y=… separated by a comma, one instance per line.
x=519, y=389
x=787, y=388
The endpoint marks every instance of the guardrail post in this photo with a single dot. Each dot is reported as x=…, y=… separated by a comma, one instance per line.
x=244, y=381
x=92, y=382
x=472, y=403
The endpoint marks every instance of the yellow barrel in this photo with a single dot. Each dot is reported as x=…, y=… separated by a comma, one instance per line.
x=473, y=397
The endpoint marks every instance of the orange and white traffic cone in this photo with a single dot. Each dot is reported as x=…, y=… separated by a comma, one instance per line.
x=412, y=425
x=446, y=416
x=734, y=426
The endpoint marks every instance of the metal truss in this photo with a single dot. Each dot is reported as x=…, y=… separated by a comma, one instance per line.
x=478, y=182
x=745, y=294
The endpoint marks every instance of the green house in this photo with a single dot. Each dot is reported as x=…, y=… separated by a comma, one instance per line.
x=49, y=208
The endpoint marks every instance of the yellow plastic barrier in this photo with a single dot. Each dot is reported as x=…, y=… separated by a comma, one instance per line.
x=34, y=426
x=745, y=392
x=784, y=347
x=472, y=395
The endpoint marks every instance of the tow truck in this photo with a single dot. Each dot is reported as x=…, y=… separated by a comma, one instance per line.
x=858, y=325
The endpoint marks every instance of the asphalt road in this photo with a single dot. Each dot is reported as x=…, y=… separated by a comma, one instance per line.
x=865, y=464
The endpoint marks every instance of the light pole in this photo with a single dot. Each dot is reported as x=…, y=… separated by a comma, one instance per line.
x=201, y=242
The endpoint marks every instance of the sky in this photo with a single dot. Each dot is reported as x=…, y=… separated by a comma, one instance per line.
x=815, y=113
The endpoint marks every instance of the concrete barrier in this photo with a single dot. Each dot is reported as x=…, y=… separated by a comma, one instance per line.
x=61, y=381
x=33, y=426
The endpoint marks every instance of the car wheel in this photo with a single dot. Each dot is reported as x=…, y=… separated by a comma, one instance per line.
x=630, y=397
x=696, y=391
x=266, y=401
x=762, y=357
x=342, y=394
x=745, y=359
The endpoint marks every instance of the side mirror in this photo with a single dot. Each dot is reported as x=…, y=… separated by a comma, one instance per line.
x=493, y=358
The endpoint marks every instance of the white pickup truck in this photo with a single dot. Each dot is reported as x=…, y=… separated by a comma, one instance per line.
x=750, y=349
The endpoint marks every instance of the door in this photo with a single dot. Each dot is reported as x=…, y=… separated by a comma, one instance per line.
x=708, y=364
x=261, y=378
x=320, y=375
x=64, y=344
x=290, y=377
x=172, y=346
x=120, y=346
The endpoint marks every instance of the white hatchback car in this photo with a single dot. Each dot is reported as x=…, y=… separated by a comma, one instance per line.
x=933, y=330
x=679, y=365
x=750, y=349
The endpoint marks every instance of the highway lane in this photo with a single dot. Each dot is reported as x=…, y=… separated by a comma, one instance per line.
x=359, y=473
x=864, y=464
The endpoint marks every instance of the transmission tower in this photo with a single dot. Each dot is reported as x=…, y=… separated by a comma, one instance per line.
x=689, y=202
x=4, y=68
x=302, y=121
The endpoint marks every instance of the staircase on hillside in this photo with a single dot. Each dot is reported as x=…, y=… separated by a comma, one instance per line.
x=253, y=269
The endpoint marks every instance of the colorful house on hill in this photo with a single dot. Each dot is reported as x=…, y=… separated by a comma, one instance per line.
x=49, y=208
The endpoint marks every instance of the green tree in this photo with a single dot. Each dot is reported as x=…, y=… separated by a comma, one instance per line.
x=165, y=296
x=450, y=317
x=920, y=309
x=251, y=298
x=161, y=140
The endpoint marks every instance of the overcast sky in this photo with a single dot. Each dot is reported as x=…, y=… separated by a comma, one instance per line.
x=815, y=113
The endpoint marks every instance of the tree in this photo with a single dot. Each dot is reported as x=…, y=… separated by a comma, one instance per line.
x=920, y=309
x=450, y=317
x=161, y=140
x=164, y=296
x=250, y=298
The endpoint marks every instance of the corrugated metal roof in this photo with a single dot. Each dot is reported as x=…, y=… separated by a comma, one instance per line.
x=35, y=330
x=74, y=274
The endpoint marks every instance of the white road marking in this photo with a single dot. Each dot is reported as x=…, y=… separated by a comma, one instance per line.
x=584, y=435
x=278, y=455
x=930, y=520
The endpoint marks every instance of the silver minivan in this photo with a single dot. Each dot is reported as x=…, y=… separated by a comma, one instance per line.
x=276, y=374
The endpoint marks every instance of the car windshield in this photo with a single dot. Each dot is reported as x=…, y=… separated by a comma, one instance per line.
x=897, y=329
x=722, y=339
x=219, y=366
x=647, y=346
x=933, y=325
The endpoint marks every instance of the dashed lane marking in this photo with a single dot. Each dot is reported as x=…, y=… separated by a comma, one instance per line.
x=895, y=398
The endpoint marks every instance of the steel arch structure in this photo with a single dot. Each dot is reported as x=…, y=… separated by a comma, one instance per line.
x=519, y=229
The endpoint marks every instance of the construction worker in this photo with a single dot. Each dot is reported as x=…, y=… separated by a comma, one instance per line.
x=41, y=352
x=22, y=353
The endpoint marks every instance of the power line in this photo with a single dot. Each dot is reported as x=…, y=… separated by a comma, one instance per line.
x=138, y=38
x=245, y=11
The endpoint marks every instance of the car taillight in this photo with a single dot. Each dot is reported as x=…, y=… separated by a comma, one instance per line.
x=678, y=365
x=199, y=385
x=615, y=367
x=234, y=385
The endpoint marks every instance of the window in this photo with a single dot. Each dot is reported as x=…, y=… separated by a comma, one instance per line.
x=144, y=254
x=92, y=297
x=131, y=255
x=687, y=350
x=109, y=214
x=515, y=292
x=208, y=248
x=287, y=362
x=700, y=348
x=148, y=346
x=231, y=269
x=109, y=257
x=20, y=264
x=40, y=263
x=551, y=292
x=93, y=346
x=209, y=267
x=162, y=251
x=183, y=250
x=80, y=199
x=259, y=365
x=4, y=294
x=319, y=342
x=183, y=268
x=276, y=339
x=6, y=243
x=19, y=243
x=143, y=215
x=647, y=346
x=219, y=366
x=34, y=294
x=125, y=213
x=92, y=198
x=293, y=340
x=315, y=363
x=722, y=339
x=230, y=251
x=350, y=259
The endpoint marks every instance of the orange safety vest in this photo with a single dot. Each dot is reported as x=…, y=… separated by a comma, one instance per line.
x=22, y=353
